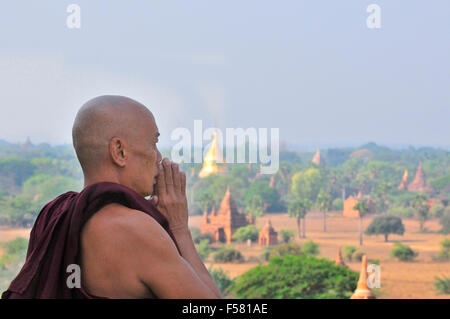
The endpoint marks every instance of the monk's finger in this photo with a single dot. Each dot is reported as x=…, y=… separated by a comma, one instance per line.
x=154, y=200
x=161, y=181
x=176, y=178
x=168, y=175
x=183, y=182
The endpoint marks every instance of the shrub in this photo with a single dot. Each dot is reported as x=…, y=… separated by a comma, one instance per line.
x=242, y=234
x=203, y=249
x=444, y=254
x=403, y=252
x=285, y=249
x=16, y=246
x=221, y=278
x=286, y=235
x=374, y=261
x=358, y=255
x=228, y=255
x=290, y=277
x=197, y=236
x=348, y=251
x=442, y=285
x=310, y=248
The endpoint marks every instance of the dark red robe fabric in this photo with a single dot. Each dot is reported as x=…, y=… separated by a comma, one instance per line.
x=55, y=239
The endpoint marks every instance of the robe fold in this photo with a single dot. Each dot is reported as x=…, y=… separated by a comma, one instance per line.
x=55, y=239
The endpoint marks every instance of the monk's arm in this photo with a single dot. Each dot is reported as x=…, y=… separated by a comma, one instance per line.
x=160, y=266
x=188, y=251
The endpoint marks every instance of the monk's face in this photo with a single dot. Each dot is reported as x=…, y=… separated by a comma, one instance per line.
x=144, y=156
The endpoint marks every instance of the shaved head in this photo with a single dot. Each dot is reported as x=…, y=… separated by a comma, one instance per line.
x=110, y=133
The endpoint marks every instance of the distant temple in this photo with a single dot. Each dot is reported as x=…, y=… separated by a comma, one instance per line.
x=268, y=235
x=362, y=289
x=317, y=159
x=211, y=159
x=350, y=202
x=402, y=185
x=419, y=183
x=224, y=223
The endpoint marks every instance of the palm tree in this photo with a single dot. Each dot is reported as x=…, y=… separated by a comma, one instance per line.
x=324, y=204
x=422, y=209
x=299, y=208
x=363, y=209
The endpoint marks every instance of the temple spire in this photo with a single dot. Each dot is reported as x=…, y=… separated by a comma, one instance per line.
x=339, y=260
x=362, y=290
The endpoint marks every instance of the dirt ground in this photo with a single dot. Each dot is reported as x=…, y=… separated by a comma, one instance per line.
x=398, y=279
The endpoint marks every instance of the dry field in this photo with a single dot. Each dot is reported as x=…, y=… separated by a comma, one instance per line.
x=398, y=279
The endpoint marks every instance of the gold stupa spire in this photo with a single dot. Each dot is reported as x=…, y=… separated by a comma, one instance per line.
x=210, y=161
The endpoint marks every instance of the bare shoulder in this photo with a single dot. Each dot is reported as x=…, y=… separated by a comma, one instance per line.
x=127, y=229
x=112, y=242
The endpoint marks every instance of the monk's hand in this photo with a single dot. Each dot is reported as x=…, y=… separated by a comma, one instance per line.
x=171, y=195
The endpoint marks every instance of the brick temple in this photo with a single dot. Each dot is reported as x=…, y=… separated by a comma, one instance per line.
x=222, y=224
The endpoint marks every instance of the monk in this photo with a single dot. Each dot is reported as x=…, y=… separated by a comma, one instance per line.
x=125, y=245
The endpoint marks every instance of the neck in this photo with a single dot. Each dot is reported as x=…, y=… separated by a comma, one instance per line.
x=89, y=180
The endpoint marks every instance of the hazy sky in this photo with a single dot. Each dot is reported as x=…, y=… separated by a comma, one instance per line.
x=311, y=68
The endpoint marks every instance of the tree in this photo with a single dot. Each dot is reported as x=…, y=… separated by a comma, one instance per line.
x=421, y=208
x=221, y=278
x=255, y=206
x=307, y=184
x=381, y=192
x=261, y=189
x=299, y=208
x=386, y=225
x=324, y=205
x=205, y=200
x=291, y=277
x=363, y=209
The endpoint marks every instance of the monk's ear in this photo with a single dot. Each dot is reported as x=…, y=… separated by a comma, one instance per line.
x=117, y=151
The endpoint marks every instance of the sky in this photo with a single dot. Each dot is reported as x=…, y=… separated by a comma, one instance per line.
x=313, y=69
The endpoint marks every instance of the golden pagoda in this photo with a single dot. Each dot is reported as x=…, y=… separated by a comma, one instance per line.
x=211, y=158
x=402, y=185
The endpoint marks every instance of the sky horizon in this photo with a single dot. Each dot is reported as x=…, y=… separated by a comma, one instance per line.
x=313, y=69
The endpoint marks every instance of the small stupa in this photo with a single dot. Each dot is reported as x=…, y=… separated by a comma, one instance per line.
x=339, y=260
x=268, y=235
x=362, y=290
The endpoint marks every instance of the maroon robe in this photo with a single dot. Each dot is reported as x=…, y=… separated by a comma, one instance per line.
x=55, y=239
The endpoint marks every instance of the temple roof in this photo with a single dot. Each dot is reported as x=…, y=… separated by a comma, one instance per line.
x=317, y=159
